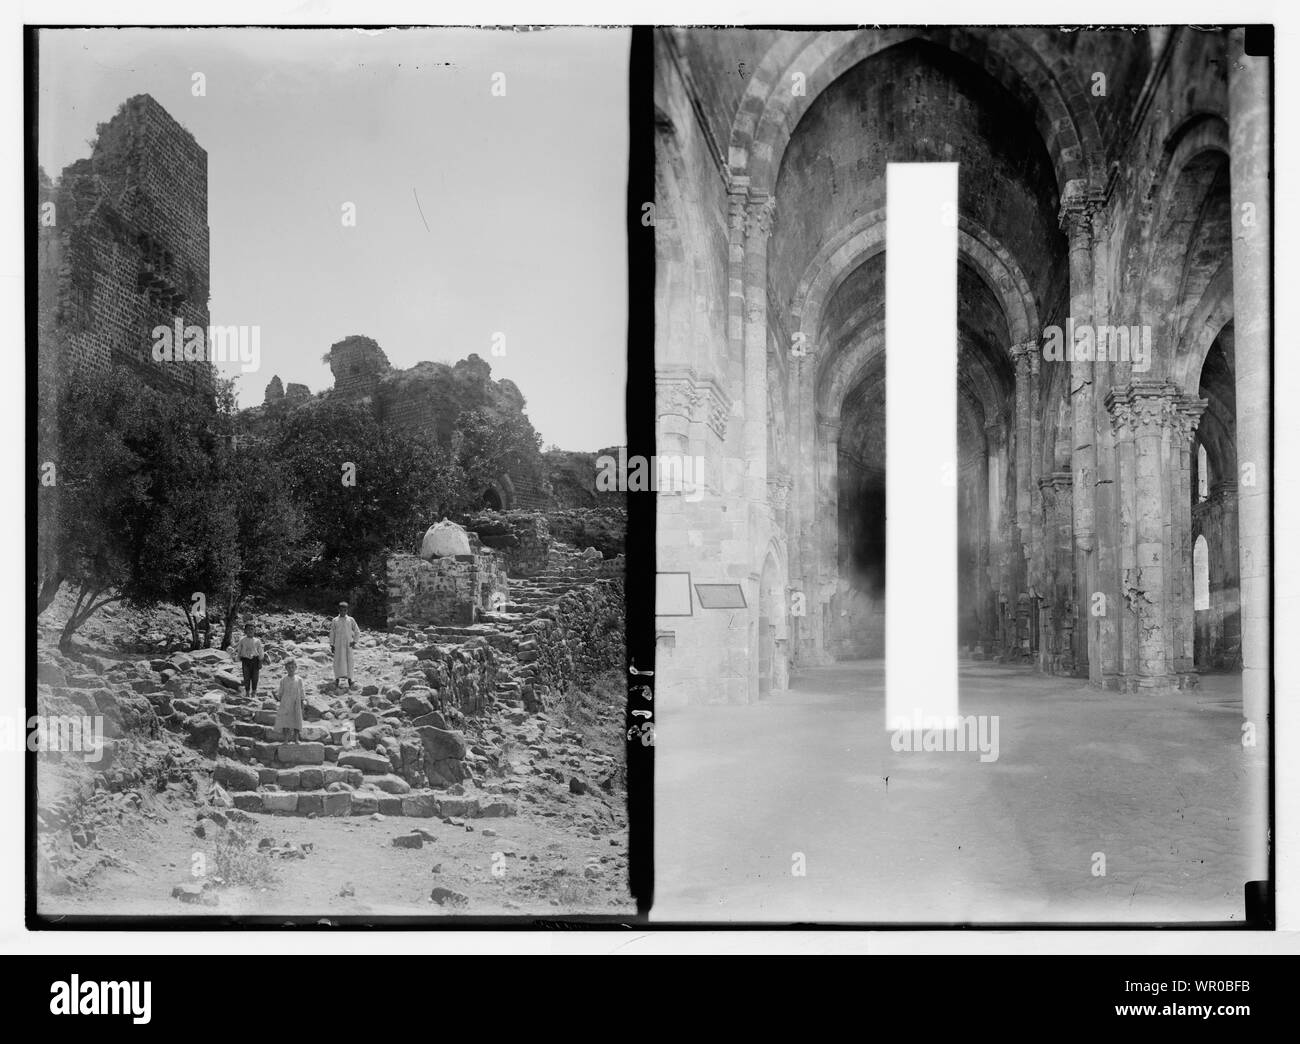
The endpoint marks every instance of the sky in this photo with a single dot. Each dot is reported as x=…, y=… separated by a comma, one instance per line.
x=476, y=213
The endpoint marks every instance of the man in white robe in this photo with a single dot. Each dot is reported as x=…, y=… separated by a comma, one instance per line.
x=344, y=633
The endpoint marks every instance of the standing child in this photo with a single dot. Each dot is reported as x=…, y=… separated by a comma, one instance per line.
x=288, y=719
x=343, y=640
x=250, y=655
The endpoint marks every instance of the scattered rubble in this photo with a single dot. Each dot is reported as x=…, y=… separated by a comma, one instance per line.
x=446, y=722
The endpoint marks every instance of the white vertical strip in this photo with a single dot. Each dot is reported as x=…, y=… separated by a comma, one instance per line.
x=921, y=445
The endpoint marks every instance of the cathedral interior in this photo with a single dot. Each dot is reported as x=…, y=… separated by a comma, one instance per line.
x=1113, y=503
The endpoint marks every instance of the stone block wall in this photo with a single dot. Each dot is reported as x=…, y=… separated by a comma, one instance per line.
x=522, y=539
x=129, y=247
x=587, y=563
x=580, y=639
x=453, y=590
x=463, y=678
x=357, y=363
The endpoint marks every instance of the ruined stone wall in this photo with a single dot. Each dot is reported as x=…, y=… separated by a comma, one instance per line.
x=357, y=364
x=452, y=590
x=527, y=541
x=522, y=539
x=129, y=248
x=530, y=491
x=582, y=637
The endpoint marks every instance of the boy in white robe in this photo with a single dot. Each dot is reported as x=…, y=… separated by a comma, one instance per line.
x=344, y=633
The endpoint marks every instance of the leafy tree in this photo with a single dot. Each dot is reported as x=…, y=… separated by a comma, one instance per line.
x=129, y=516
x=488, y=444
x=268, y=529
x=95, y=486
x=362, y=487
x=181, y=540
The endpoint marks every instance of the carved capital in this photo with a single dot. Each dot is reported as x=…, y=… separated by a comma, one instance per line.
x=778, y=491
x=1026, y=356
x=684, y=393
x=675, y=398
x=1079, y=207
x=760, y=212
x=736, y=197
x=1186, y=417
x=1143, y=408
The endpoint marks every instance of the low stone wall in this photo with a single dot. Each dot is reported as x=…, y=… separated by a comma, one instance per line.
x=584, y=564
x=582, y=637
x=464, y=678
x=451, y=590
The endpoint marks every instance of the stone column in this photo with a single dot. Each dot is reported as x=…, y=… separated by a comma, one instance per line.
x=1180, y=612
x=1105, y=654
x=826, y=536
x=984, y=540
x=1153, y=426
x=1037, y=554
x=1025, y=358
x=1123, y=428
x=1149, y=537
x=1059, y=596
x=995, y=438
x=1076, y=214
x=759, y=213
x=735, y=370
x=1229, y=576
x=795, y=511
x=1248, y=125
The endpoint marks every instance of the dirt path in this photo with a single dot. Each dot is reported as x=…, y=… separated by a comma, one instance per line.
x=539, y=870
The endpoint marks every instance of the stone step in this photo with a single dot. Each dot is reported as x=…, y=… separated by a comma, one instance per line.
x=331, y=733
x=240, y=777
x=284, y=755
x=503, y=621
x=422, y=804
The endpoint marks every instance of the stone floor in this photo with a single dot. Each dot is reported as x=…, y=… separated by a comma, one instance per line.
x=1161, y=786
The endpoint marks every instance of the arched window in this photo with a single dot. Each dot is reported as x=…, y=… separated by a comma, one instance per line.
x=1202, y=473
x=1201, y=573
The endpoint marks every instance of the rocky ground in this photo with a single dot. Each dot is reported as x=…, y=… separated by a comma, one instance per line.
x=456, y=776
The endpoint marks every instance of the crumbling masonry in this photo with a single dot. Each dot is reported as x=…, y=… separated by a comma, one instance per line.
x=123, y=249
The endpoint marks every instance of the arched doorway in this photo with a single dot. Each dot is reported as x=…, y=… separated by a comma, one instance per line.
x=1216, y=578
